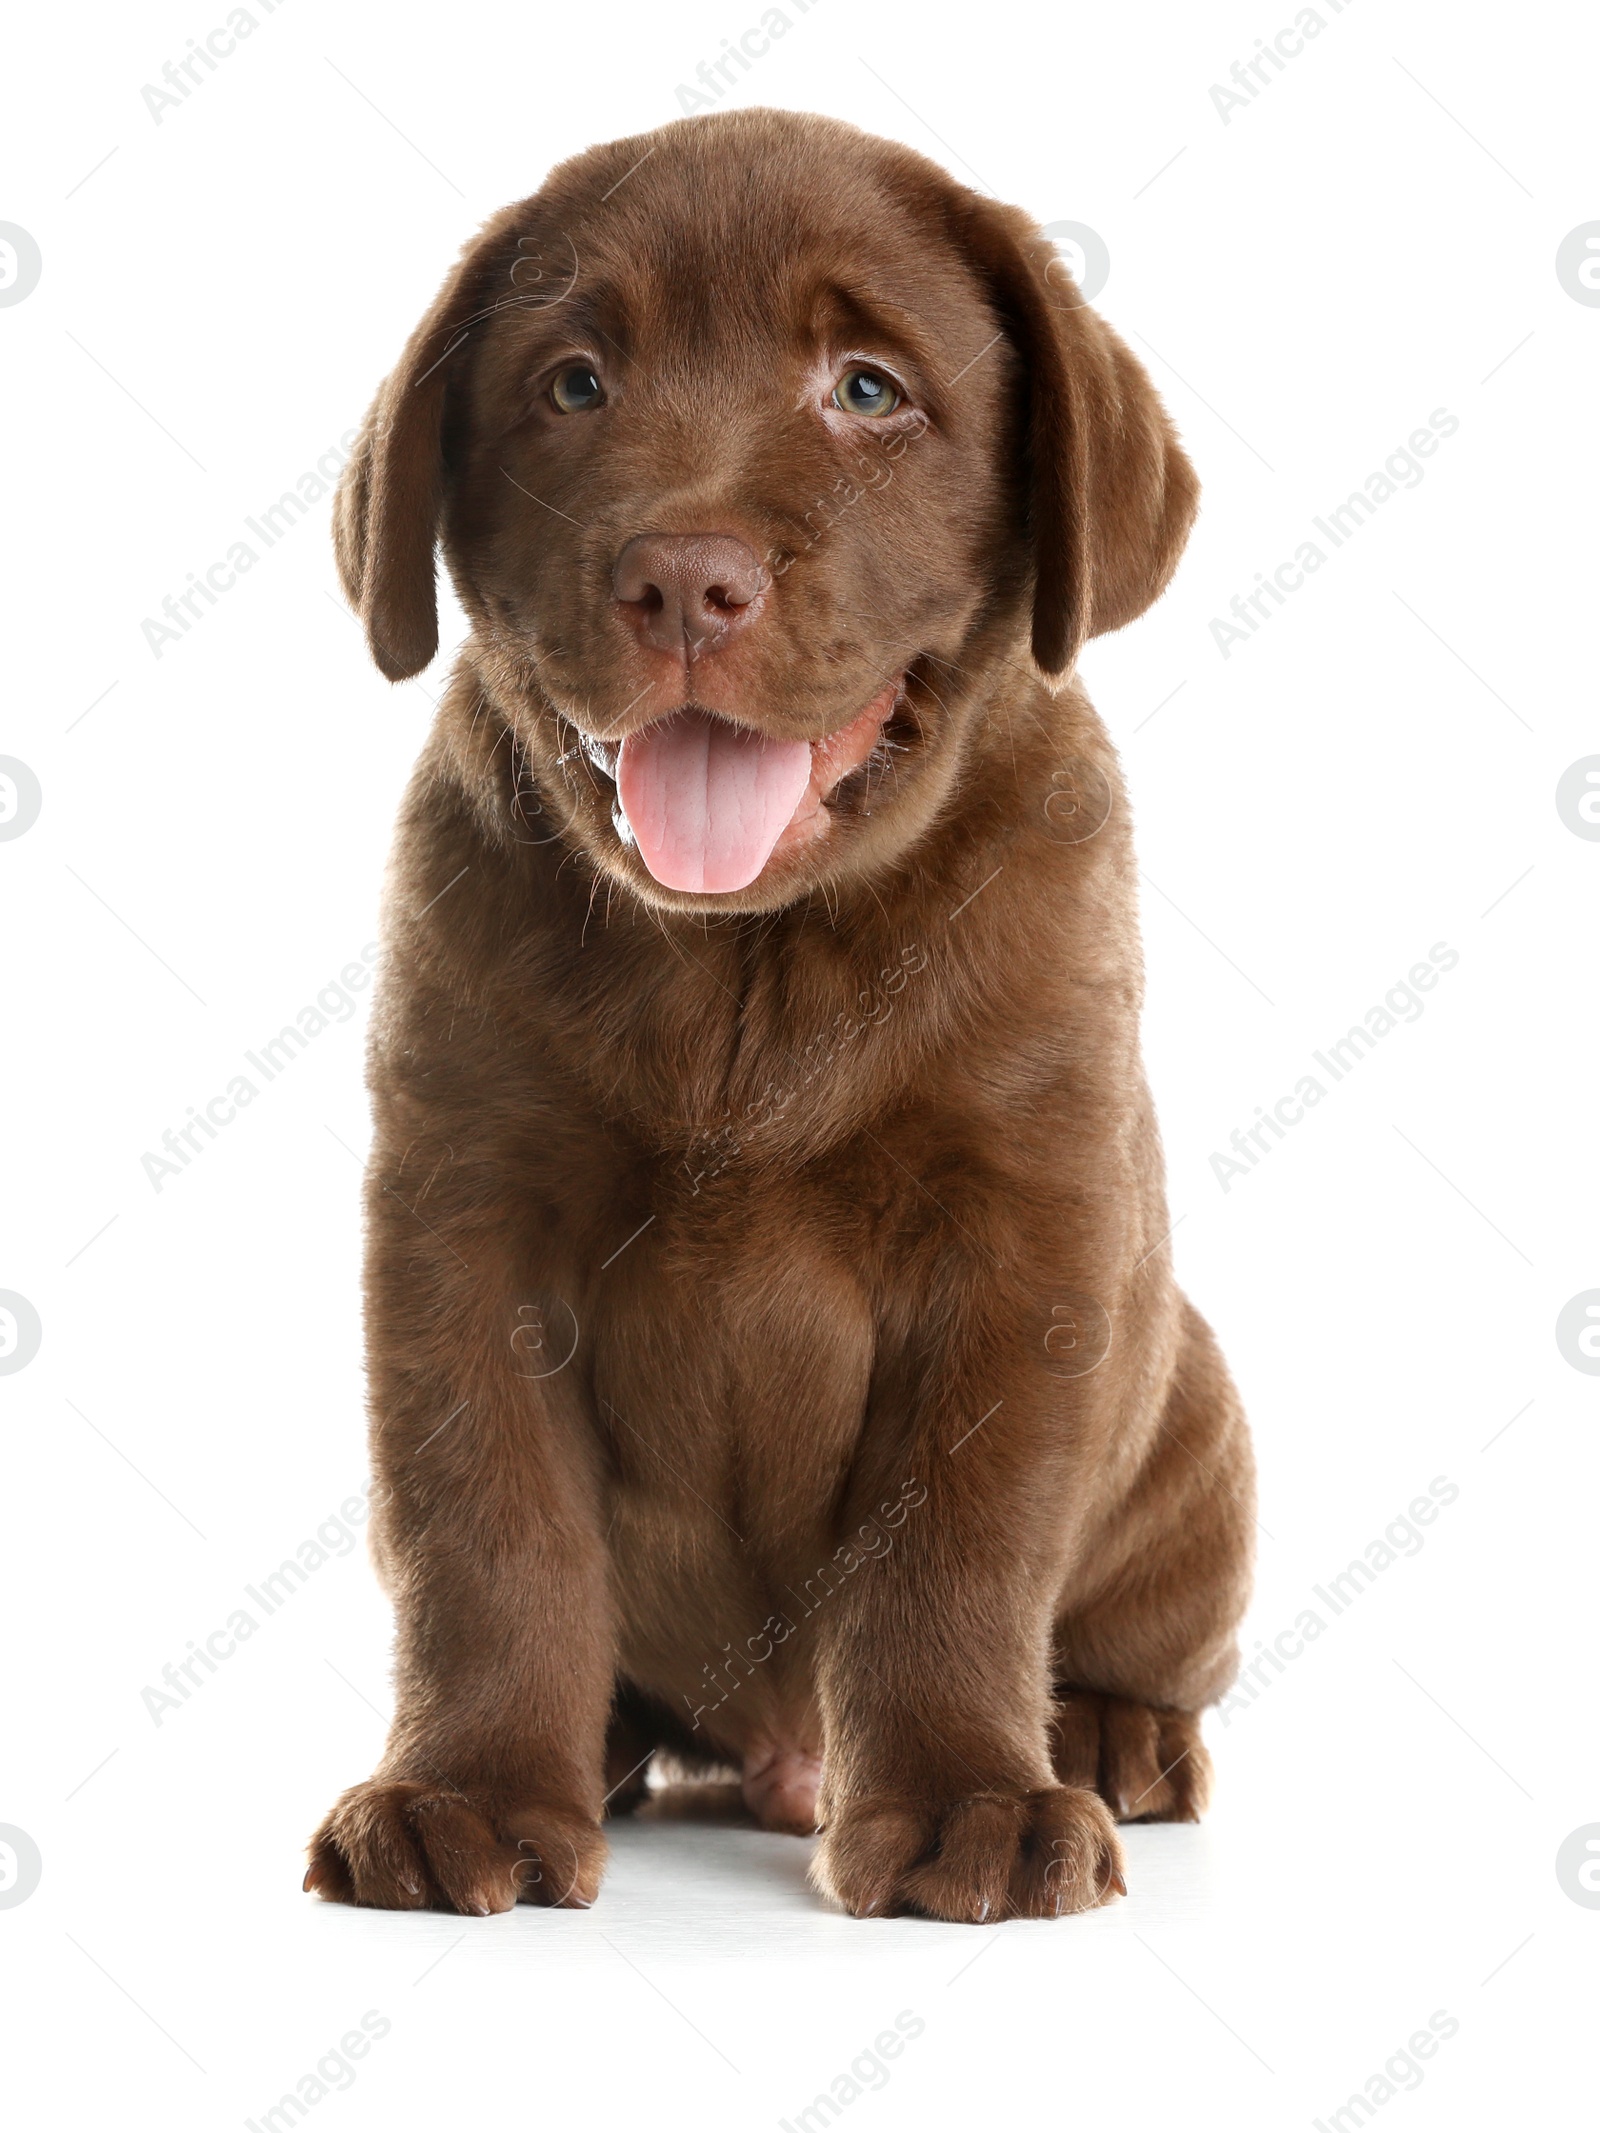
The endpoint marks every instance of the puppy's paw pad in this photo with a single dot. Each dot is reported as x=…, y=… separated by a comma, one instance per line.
x=405, y=1845
x=561, y=1856
x=974, y=1860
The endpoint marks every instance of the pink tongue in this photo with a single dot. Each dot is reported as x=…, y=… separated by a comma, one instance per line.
x=707, y=800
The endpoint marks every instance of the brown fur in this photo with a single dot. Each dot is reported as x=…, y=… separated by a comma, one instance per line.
x=833, y=1187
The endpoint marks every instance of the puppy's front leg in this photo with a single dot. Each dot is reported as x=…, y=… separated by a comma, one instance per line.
x=933, y=1671
x=487, y=1528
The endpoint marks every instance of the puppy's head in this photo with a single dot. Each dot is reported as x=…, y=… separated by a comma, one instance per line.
x=752, y=446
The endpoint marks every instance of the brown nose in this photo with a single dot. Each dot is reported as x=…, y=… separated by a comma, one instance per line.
x=687, y=591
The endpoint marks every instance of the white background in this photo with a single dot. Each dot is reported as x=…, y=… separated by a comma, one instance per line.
x=1371, y=238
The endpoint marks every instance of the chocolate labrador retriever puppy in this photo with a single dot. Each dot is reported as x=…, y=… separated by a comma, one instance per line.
x=774, y=1351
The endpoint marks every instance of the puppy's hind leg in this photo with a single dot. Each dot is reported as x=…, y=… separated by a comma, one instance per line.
x=1139, y=1660
x=1147, y=1764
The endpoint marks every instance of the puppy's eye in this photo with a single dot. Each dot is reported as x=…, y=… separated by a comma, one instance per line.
x=866, y=392
x=576, y=390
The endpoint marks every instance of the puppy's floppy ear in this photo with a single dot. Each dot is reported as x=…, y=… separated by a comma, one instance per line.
x=1111, y=496
x=387, y=506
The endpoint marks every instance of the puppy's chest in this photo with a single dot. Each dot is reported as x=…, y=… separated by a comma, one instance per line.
x=762, y=1053
x=732, y=1371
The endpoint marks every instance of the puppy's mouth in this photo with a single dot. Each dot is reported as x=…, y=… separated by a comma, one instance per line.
x=708, y=802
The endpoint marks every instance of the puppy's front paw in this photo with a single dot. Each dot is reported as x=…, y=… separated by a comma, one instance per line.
x=974, y=1860
x=402, y=1845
